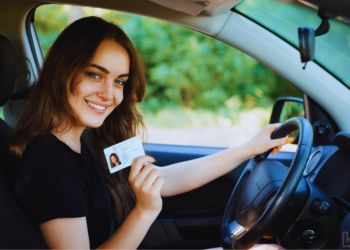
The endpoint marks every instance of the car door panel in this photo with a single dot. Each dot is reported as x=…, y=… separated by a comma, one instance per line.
x=193, y=219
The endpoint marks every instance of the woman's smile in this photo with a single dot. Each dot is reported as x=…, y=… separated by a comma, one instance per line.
x=98, y=108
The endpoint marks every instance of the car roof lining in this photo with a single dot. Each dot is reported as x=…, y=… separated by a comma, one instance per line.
x=210, y=21
x=193, y=7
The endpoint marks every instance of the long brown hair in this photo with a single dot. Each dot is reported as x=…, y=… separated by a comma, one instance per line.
x=111, y=162
x=48, y=108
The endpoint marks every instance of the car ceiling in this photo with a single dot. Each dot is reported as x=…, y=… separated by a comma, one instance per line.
x=209, y=21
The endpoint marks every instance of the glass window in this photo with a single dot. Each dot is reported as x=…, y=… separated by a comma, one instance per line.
x=332, y=49
x=200, y=91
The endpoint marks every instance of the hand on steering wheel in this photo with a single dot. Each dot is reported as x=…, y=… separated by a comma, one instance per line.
x=254, y=199
x=263, y=142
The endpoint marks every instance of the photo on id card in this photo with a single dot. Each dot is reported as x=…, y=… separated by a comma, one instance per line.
x=123, y=154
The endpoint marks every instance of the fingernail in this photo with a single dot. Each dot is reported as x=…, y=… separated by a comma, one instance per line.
x=289, y=140
x=154, y=160
x=275, y=150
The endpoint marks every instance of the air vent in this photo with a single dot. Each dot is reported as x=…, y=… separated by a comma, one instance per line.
x=313, y=161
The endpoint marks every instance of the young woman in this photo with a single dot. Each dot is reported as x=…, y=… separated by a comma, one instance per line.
x=114, y=160
x=84, y=101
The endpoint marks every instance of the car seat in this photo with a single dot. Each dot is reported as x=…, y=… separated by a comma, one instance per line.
x=15, y=230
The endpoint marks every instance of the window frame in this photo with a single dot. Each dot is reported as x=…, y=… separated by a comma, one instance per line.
x=33, y=39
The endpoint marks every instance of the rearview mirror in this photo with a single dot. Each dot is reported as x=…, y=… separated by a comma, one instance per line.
x=307, y=36
x=306, y=44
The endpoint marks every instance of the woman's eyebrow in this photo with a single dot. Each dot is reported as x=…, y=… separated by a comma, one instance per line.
x=103, y=69
x=100, y=68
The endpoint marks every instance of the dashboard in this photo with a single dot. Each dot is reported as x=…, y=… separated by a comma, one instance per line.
x=328, y=168
x=326, y=212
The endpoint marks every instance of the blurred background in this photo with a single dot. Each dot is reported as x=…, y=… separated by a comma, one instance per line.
x=200, y=91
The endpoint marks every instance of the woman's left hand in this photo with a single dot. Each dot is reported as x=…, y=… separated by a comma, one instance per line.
x=262, y=141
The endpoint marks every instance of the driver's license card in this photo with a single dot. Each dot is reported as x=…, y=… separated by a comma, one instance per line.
x=123, y=154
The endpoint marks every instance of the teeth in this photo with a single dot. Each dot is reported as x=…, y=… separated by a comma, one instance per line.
x=96, y=106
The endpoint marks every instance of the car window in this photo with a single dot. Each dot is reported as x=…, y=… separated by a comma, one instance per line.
x=332, y=50
x=200, y=91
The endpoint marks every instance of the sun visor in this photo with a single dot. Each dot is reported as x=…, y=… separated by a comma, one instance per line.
x=191, y=7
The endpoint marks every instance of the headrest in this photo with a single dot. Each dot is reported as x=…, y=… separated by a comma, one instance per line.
x=7, y=69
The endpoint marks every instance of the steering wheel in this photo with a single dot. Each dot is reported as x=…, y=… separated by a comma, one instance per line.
x=255, y=204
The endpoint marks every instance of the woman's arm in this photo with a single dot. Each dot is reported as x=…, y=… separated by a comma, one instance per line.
x=186, y=176
x=72, y=233
x=146, y=183
x=132, y=231
x=66, y=233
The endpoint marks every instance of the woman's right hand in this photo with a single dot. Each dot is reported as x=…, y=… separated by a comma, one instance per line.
x=146, y=182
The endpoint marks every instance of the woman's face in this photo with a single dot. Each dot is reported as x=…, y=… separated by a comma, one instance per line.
x=100, y=86
x=114, y=159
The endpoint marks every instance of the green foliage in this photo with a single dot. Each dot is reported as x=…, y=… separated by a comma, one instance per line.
x=184, y=68
x=50, y=20
x=291, y=109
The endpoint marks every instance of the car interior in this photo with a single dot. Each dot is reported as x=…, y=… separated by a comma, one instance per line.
x=297, y=199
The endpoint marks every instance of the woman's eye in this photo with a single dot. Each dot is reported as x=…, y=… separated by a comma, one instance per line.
x=120, y=82
x=94, y=75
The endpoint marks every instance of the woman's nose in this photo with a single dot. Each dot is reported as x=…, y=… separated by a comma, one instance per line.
x=106, y=92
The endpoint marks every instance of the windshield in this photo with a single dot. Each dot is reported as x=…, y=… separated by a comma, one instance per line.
x=332, y=49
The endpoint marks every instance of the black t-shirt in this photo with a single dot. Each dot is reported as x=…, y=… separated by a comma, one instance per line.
x=53, y=181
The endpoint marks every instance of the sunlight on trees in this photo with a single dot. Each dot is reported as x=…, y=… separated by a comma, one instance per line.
x=193, y=80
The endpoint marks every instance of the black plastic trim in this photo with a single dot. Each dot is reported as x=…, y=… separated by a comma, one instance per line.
x=317, y=113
